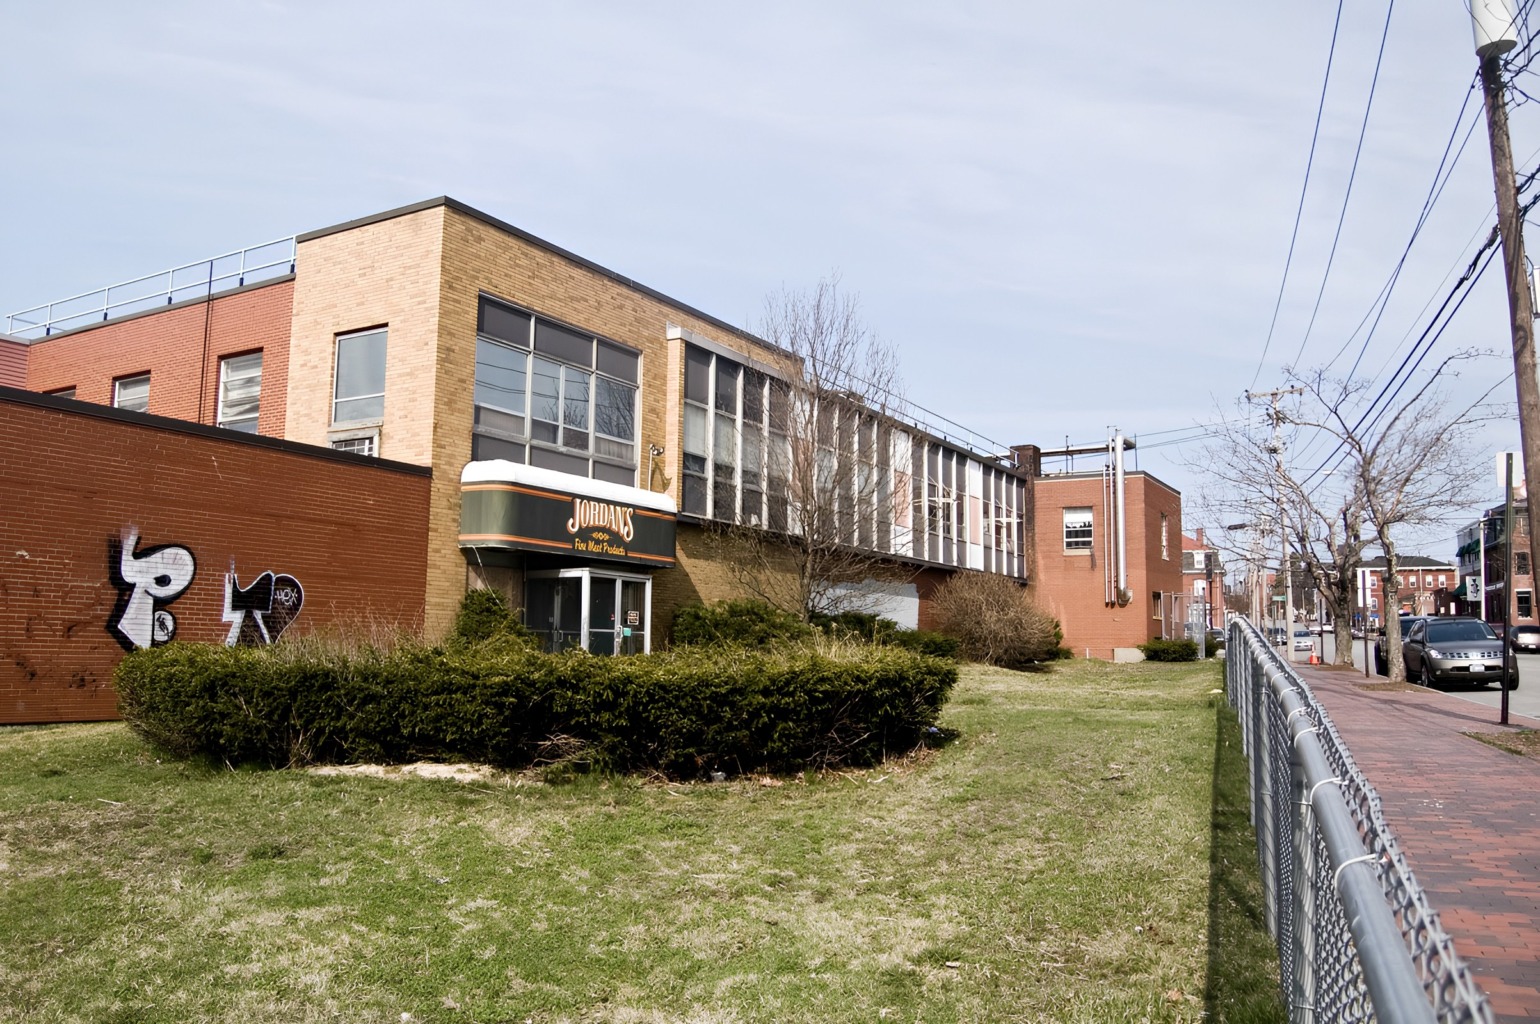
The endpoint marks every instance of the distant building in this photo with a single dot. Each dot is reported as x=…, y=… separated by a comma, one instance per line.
x=1109, y=599
x=1426, y=588
x=1203, y=576
x=1482, y=586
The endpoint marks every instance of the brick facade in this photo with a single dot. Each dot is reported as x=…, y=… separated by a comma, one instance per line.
x=13, y=363
x=180, y=347
x=1073, y=585
x=79, y=478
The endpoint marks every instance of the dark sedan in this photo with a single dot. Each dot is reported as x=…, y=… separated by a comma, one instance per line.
x=1441, y=652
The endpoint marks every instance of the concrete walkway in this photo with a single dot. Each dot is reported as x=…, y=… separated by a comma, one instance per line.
x=1467, y=816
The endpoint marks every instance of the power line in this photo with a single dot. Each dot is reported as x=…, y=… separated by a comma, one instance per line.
x=1304, y=189
x=1347, y=196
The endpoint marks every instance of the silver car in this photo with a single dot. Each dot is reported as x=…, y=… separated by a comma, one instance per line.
x=1441, y=652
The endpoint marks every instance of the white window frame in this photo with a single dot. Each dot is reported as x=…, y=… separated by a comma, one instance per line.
x=225, y=365
x=135, y=379
x=337, y=377
x=1080, y=545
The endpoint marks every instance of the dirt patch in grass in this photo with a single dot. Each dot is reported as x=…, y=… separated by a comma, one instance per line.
x=1386, y=686
x=1523, y=742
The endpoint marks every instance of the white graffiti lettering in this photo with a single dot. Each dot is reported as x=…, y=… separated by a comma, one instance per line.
x=155, y=576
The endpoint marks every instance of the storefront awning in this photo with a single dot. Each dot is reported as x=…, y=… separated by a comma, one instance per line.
x=510, y=506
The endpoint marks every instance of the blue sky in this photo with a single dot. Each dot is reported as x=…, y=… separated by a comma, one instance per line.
x=1066, y=217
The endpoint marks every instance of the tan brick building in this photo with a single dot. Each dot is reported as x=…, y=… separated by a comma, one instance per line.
x=584, y=431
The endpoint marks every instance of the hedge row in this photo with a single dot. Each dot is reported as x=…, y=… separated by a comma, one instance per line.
x=754, y=623
x=683, y=712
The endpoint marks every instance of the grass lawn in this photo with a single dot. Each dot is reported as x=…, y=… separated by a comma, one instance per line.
x=1079, y=853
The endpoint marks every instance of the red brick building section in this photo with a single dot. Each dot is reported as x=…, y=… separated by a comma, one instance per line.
x=180, y=347
x=13, y=362
x=82, y=479
x=1072, y=579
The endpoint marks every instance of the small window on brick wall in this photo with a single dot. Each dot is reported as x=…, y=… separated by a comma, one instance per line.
x=132, y=393
x=1521, y=563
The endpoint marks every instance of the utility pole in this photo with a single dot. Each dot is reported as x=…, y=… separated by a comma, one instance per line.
x=1285, y=571
x=1495, y=23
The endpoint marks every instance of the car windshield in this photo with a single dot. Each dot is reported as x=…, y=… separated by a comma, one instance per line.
x=1455, y=632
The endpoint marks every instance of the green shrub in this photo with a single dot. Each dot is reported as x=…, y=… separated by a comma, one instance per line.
x=746, y=622
x=484, y=614
x=1170, y=650
x=683, y=713
x=924, y=641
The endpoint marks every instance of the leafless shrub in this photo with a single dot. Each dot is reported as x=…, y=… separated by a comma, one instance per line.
x=995, y=620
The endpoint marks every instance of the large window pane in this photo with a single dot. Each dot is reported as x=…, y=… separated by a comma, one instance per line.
x=697, y=375
x=240, y=392
x=568, y=346
x=614, y=409
x=695, y=431
x=618, y=362
x=727, y=386
x=504, y=323
x=574, y=419
x=545, y=400
x=360, y=380
x=500, y=376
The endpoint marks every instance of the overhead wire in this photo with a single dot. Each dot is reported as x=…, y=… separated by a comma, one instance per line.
x=1303, y=191
x=1347, y=196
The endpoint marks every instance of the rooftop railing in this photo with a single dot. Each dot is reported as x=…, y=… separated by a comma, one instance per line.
x=203, y=279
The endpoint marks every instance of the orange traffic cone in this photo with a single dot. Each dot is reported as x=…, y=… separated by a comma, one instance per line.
x=1313, y=659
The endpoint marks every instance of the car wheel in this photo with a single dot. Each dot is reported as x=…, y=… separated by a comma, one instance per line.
x=1513, y=681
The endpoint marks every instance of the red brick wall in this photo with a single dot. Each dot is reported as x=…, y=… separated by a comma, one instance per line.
x=1072, y=587
x=77, y=479
x=169, y=345
x=13, y=364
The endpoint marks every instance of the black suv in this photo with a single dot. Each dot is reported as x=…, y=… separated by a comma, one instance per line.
x=1382, y=666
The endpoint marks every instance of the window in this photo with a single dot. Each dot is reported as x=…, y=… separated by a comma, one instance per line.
x=240, y=391
x=63, y=393
x=1525, y=600
x=1443, y=580
x=358, y=394
x=362, y=444
x=553, y=396
x=132, y=393
x=1077, y=529
x=1521, y=563
x=1165, y=537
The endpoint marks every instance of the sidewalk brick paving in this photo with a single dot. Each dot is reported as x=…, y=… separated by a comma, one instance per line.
x=1467, y=816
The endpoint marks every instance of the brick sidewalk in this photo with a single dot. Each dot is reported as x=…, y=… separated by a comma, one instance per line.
x=1467, y=816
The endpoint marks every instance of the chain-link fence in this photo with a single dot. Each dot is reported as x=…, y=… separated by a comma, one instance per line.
x=1357, y=939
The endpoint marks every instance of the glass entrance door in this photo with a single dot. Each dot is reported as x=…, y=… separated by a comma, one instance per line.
x=602, y=612
x=603, y=637
x=632, y=631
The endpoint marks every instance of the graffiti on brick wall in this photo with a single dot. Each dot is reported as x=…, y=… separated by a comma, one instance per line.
x=147, y=581
x=260, y=612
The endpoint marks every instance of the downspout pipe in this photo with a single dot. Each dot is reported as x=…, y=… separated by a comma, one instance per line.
x=1122, y=513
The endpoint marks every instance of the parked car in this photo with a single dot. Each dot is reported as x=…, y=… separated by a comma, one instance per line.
x=1440, y=652
x=1278, y=635
x=1525, y=639
x=1303, y=640
x=1407, y=622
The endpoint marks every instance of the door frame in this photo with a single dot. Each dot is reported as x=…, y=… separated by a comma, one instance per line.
x=587, y=573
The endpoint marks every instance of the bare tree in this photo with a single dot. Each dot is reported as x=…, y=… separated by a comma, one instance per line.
x=1250, y=484
x=1375, y=476
x=1412, y=465
x=828, y=454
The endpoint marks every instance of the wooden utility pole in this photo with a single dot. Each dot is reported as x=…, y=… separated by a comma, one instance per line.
x=1521, y=313
x=1285, y=568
